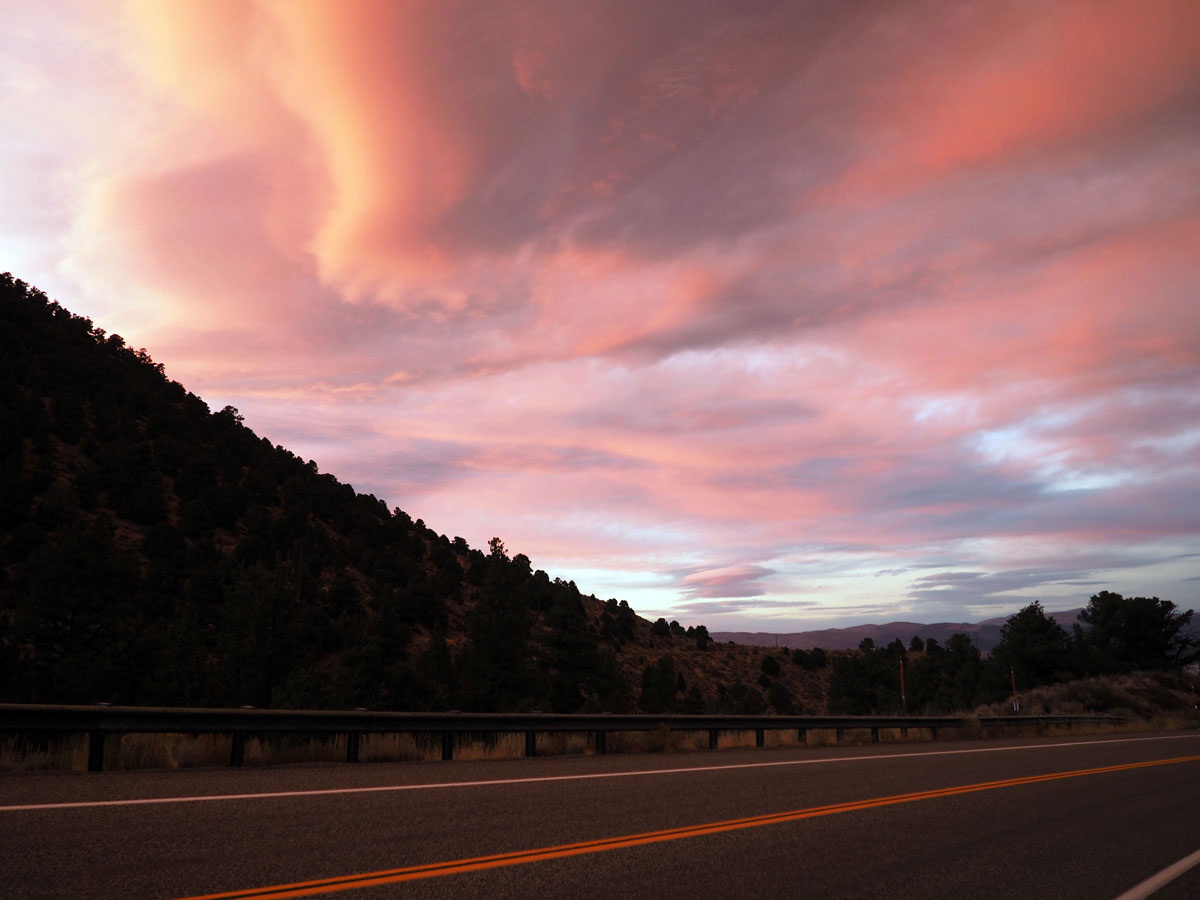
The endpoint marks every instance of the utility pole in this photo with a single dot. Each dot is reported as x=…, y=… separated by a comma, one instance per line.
x=903, y=700
x=1013, y=674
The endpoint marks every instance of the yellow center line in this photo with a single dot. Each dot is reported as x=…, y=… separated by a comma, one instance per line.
x=474, y=864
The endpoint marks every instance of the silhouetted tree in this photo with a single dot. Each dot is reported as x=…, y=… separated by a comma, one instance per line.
x=1124, y=634
x=496, y=667
x=660, y=684
x=1034, y=646
x=781, y=698
x=740, y=700
x=77, y=618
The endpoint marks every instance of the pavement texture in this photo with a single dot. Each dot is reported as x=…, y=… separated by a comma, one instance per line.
x=1088, y=836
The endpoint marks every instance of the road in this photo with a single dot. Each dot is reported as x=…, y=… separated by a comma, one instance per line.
x=976, y=819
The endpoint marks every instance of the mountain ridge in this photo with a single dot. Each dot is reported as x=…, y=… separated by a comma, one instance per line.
x=985, y=634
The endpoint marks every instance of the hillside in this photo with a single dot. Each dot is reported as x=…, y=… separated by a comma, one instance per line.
x=1167, y=699
x=153, y=551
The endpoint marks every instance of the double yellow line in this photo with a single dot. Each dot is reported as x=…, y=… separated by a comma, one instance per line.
x=474, y=864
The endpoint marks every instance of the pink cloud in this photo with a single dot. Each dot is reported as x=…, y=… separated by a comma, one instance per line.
x=1006, y=83
x=727, y=581
x=722, y=302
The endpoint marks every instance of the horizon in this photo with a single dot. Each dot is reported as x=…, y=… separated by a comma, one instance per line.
x=1051, y=614
x=771, y=320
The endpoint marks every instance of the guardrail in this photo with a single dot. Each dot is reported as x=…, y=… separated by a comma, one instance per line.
x=99, y=722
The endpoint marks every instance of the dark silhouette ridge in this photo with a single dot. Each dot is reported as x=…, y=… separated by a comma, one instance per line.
x=153, y=551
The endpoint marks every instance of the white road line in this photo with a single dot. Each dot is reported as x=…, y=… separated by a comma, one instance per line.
x=585, y=777
x=1165, y=877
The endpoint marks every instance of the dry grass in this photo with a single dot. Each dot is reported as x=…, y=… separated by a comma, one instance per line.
x=33, y=753
x=176, y=751
x=1149, y=700
x=180, y=751
x=397, y=748
x=726, y=665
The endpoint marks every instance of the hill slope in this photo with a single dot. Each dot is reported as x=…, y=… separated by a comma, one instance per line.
x=153, y=551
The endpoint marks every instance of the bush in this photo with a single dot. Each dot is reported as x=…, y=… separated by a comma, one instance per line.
x=780, y=698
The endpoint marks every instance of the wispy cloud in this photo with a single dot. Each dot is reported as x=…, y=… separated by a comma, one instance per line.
x=777, y=311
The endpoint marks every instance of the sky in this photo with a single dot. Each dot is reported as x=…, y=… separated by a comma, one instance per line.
x=765, y=316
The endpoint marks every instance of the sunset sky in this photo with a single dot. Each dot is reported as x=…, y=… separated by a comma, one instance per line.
x=766, y=316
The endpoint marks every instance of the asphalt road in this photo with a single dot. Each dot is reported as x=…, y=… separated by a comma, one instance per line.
x=912, y=829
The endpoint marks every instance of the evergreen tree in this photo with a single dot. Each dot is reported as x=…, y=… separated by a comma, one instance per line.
x=1131, y=633
x=1034, y=646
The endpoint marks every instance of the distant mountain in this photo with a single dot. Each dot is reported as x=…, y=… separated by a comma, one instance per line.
x=985, y=634
x=153, y=551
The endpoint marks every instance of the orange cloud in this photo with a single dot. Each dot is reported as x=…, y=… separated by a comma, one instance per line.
x=700, y=291
x=1009, y=81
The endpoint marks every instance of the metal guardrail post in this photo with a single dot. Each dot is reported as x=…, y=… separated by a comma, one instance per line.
x=96, y=751
x=237, y=750
x=713, y=733
x=802, y=736
x=904, y=731
x=352, y=747
x=601, y=743
x=759, y=737
x=531, y=743
x=874, y=735
x=839, y=733
x=447, y=746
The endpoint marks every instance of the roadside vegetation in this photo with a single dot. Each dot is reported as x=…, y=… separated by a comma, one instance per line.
x=1071, y=671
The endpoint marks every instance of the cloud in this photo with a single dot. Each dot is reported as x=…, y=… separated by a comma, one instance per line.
x=722, y=305
x=726, y=581
x=1006, y=85
x=707, y=609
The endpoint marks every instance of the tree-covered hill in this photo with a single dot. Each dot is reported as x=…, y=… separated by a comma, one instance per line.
x=153, y=551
